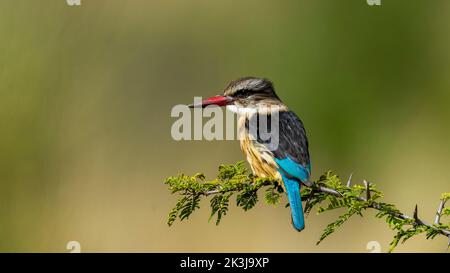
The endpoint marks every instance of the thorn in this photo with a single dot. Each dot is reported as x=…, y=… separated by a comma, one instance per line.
x=367, y=185
x=349, y=181
x=415, y=214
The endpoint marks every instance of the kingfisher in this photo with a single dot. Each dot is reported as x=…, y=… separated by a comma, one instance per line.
x=254, y=99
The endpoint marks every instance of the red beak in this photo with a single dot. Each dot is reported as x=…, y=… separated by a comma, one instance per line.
x=216, y=100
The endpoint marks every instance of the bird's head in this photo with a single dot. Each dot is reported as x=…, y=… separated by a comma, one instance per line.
x=244, y=94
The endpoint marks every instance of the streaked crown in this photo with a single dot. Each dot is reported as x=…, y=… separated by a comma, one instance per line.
x=248, y=86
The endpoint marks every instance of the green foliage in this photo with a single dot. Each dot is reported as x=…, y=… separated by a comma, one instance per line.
x=219, y=206
x=446, y=211
x=247, y=198
x=326, y=194
x=230, y=179
x=445, y=196
x=272, y=196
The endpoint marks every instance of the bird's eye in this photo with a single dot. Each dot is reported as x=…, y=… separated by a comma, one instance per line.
x=243, y=93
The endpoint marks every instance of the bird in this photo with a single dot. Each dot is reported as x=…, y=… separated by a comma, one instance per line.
x=254, y=98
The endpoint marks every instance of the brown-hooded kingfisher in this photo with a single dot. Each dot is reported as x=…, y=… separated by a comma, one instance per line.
x=289, y=162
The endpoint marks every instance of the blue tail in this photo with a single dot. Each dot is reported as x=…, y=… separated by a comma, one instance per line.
x=297, y=173
x=295, y=202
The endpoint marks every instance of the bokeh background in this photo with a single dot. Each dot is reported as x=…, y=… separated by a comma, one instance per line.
x=86, y=93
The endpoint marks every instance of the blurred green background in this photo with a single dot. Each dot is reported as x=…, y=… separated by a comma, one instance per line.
x=86, y=93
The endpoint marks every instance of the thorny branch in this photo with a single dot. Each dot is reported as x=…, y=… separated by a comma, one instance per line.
x=373, y=205
x=327, y=190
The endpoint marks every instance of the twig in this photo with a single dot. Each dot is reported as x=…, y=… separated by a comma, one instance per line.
x=437, y=219
x=265, y=183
